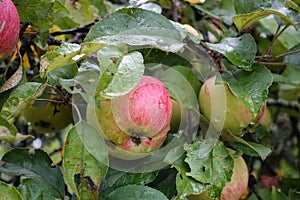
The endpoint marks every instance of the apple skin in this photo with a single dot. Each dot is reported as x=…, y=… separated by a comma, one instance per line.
x=225, y=111
x=51, y=118
x=266, y=119
x=234, y=189
x=239, y=180
x=135, y=124
x=9, y=28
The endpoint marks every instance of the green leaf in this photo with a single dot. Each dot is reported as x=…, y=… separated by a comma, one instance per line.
x=85, y=157
x=287, y=39
x=278, y=195
x=67, y=54
x=165, y=182
x=245, y=20
x=186, y=185
x=80, y=12
x=133, y=192
x=245, y=6
x=35, y=166
x=251, y=87
x=293, y=59
x=125, y=77
x=21, y=98
x=6, y=136
x=240, y=51
x=134, y=26
x=249, y=148
x=210, y=163
x=31, y=11
x=7, y=127
x=116, y=178
x=9, y=192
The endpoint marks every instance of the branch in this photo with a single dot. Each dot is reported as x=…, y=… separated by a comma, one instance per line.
x=74, y=31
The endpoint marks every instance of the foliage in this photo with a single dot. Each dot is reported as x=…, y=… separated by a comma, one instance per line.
x=89, y=50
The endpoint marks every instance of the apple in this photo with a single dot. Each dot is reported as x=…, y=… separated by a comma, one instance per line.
x=137, y=123
x=9, y=28
x=176, y=116
x=224, y=110
x=51, y=118
x=238, y=184
x=195, y=84
x=266, y=119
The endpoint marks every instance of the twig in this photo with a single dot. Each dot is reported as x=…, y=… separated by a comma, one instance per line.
x=277, y=34
x=74, y=31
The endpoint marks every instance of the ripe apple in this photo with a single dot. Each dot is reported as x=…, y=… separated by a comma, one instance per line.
x=224, y=110
x=239, y=180
x=51, y=118
x=9, y=28
x=266, y=119
x=238, y=184
x=136, y=123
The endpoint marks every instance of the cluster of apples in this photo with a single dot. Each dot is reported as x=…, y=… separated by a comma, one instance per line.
x=137, y=123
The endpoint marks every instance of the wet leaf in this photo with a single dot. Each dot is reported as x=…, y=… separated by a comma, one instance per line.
x=134, y=26
x=240, y=51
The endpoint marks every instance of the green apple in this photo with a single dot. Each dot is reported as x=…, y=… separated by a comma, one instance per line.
x=224, y=110
x=51, y=118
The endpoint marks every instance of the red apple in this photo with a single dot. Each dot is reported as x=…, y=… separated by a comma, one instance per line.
x=239, y=180
x=136, y=123
x=9, y=28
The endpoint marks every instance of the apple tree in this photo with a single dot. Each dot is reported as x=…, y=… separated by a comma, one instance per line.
x=149, y=99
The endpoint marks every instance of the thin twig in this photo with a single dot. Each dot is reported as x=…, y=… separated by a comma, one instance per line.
x=277, y=34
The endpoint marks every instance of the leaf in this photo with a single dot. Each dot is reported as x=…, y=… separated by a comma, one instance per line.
x=134, y=26
x=245, y=20
x=132, y=192
x=8, y=132
x=9, y=192
x=186, y=185
x=6, y=136
x=84, y=150
x=210, y=164
x=240, y=51
x=289, y=38
x=35, y=166
x=67, y=54
x=13, y=81
x=251, y=87
x=245, y=6
x=7, y=127
x=116, y=178
x=129, y=72
x=80, y=12
x=293, y=59
x=21, y=98
x=165, y=182
x=33, y=10
x=249, y=148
